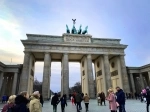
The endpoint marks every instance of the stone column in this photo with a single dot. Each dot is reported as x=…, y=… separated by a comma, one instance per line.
x=46, y=76
x=1, y=81
x=141, y=80
x=107, y=72
x=65, y=75
x=9, y=85
x=90, y=77
x=132, y=83
x=14, y=85
x=4, y=85
x=25, y=73
x=124, y=74
x=149, y=77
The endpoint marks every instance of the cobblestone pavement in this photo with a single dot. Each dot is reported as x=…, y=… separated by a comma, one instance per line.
x=131, y=106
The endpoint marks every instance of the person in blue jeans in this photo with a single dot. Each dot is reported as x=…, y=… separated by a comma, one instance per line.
x=120, y=99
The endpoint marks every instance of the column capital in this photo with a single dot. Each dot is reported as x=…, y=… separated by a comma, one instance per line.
x=65, y=53
x=46, y=52
x=16, y=72
x=122, y=55
x=27, y=52
x=89, y=56
x=105, y=54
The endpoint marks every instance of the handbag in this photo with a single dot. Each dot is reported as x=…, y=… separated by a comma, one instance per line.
x=117, y=104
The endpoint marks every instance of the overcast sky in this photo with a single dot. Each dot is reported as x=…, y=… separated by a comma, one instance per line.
x=128, y=20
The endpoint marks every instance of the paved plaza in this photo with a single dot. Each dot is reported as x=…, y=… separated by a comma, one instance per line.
x=131, y=106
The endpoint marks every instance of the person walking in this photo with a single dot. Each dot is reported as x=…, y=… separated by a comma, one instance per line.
x=147, y=98
x=86, y=101
x=74, y=97
x=102, y=97
x=41, y=99
x=112, y=101
x=35, y=105
x=120, y=99
x=21, y=101
x=10, y=104
x=63, y=102
x=72, y=100
x=98, y=99
x=54, y=102
x=78, y=98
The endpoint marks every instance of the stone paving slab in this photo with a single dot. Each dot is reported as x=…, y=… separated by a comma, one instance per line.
x=131, y=106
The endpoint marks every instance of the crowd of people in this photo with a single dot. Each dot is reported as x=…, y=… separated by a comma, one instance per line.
x=34, y=103
x=116, y=100
x=24, y=103
x=76, y=99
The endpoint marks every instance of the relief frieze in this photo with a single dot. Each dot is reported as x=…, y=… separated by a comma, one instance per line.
x=77, y=39
x=73, y=48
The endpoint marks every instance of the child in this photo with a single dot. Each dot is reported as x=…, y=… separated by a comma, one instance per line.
x=72, y=100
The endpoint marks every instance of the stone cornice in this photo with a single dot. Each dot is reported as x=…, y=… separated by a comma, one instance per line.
x=74, y=38
x=27, y=43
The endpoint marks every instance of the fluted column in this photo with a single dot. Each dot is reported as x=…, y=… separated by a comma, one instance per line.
x=90, y=77
x=1, y=81
x=107, y=72
x=4, y=85
x=124, y=74
x=141, y=80
x=14, y=85
x=65, y=75
x=132, y=83
x=46, y=76
x=25, y=73
x=149, y=77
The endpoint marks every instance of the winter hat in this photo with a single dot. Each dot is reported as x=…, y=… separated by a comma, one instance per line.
x=36, y=93
x=147, y=87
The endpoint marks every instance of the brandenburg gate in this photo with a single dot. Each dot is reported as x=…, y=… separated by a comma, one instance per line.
x=106, y=54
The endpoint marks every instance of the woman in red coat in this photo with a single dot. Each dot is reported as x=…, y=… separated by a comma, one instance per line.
x=112, y=101
x=10, y=104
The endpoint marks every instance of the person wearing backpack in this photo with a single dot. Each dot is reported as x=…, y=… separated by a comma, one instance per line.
x=9, y=107
x=147, y=98
x=86, y=99
x=63, y=103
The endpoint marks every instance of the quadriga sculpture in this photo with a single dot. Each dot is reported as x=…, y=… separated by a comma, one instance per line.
x=80, y=30
x=85, y=31
x=67, y=29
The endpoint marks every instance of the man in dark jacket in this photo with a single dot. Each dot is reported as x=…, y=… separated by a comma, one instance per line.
x=78, y=99
x=102, y=97
x=63, y=102
x=41, y=99
x=120, y=99
x=54, y=102
x=21, y=102
x=147, y=98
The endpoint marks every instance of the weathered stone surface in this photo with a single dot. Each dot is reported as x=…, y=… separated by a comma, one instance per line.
x=76, y=38
x=81, y=49
x=25, y=73
x=141, y=80
x=1, y=80
x=3, y=85
x=90, y=77
x=65, y=75
x=124, y=74
x=107, y=72
x=46, y=76
x=132, y=83
x=14, y=83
